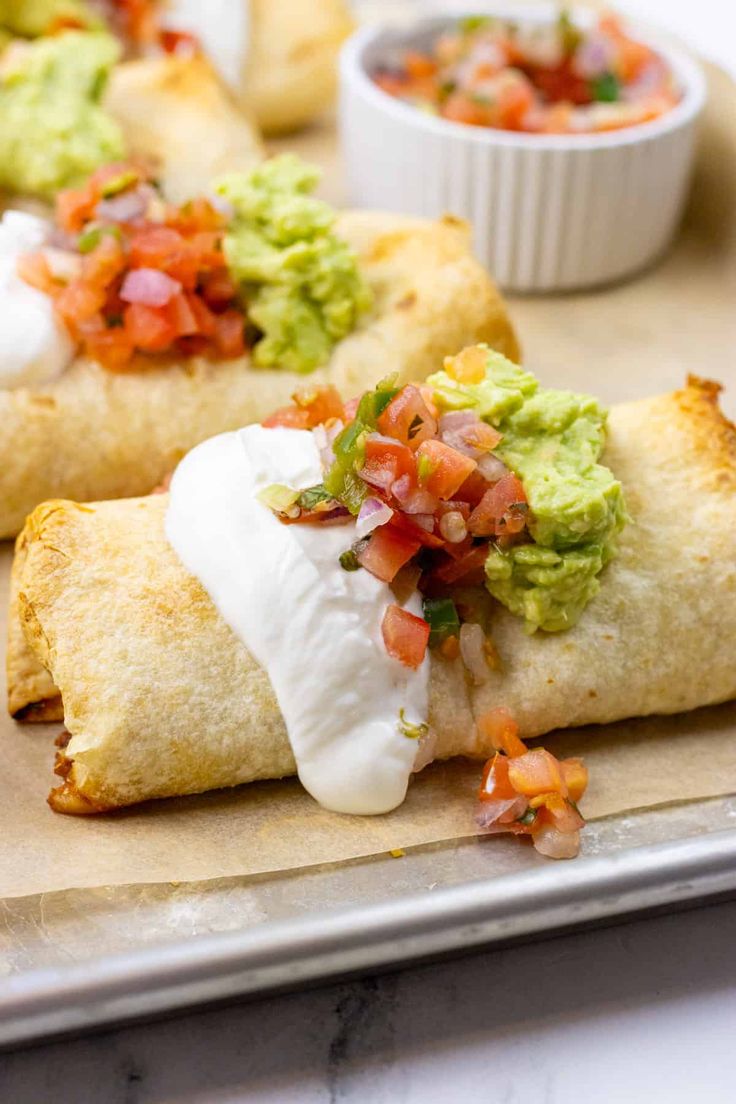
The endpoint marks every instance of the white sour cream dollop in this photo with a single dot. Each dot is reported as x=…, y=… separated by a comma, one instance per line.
x=222, y=27
x=34, y=344
x=314, y=627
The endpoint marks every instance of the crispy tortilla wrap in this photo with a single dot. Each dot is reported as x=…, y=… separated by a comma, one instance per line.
x=291, y=73
x=94, y=434
x=177, y=116
x=161, y=698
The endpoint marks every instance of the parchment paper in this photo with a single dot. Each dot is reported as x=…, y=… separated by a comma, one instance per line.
x=623, y=342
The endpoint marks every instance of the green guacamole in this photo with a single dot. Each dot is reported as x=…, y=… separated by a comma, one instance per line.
x=552, y=440
x=53, y=131
x=32, y=18
x=301, y=282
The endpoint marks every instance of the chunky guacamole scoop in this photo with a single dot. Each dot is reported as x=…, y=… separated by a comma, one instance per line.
x=302, y=284
x=53, y=129
x=552, y=440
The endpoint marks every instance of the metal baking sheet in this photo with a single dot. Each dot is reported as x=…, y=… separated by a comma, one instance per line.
x=80, y=959
x=77, y=960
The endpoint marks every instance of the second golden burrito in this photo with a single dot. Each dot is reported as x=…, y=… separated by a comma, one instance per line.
x=94, y=434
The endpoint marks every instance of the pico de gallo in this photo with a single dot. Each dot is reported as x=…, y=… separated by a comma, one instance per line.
x=530, y=792
x=136, y=23
x=256, y=266
x=542, y=78
x=131, y=274
x=436, y=499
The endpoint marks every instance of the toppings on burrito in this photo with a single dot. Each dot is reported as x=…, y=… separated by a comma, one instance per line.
x=258, y=261
x=380, y=539
x=53, y=129
x=479, y=478
x=534, y=76
x=135, y=22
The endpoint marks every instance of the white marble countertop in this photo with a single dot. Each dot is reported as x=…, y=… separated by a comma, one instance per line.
x=640, y=1013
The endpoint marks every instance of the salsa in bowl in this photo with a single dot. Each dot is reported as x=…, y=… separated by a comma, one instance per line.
x=567, y=180
x=554, y=77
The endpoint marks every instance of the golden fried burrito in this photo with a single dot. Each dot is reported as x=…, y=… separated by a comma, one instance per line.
x=351, y=591
x=134, y=328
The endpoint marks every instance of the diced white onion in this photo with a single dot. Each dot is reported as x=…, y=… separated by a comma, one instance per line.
x=489, y=813
x=554, y=844
x=324, y=438
x=491, y=468
x=372, y=513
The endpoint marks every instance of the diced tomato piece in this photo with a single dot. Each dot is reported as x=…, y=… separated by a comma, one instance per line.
x=387, y=460
x=194, y=345
x=177, y=42
x=181, y=316
x=206, y=247
x=164, y=248
x=105, y=262
x=459, y=549
x=446, y=469
x=112, y=348
x=407, y=418
x=230, y=333
x=469, y=366
x=462, y=107
x=469, y=568
x=321, y=403
x=496, y=507
x=393, y=84
x=575, y=774
x=387, y=551
x=204, y=317
x=405, y=636
x=419, y=65
x=495, y=784
x=516, y=98
x=498, y=726
x=218, y=288
x=149, y=328
x=153, y=246
x=290, y=417
x=76, y=206
x=555, y=809
x=78, y=302
x=33, y=268
x=405, y=524
x=561, y=83
x=537, y=772
x=473, y=489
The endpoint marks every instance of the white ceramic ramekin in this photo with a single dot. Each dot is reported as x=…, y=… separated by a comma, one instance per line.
x=549, y=212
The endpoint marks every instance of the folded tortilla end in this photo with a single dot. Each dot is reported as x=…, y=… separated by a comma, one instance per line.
x=713, y=435
x=68, y=799
x=42, y=711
